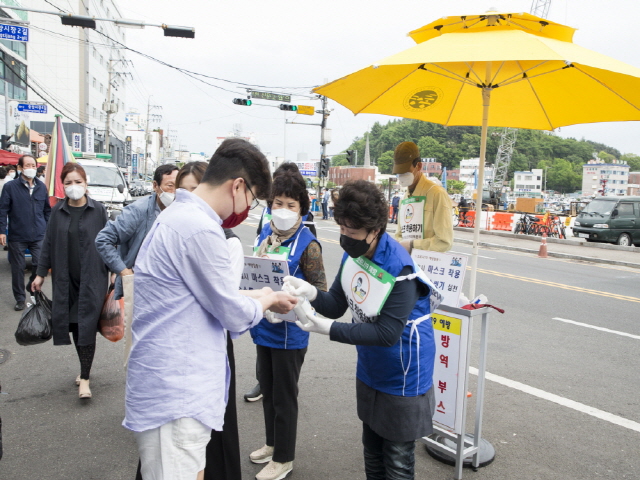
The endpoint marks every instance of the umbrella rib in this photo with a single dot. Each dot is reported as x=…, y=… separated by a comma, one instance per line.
x=453, y=77
x=537, y=98
x=453, y=107
x=474, y=73
x=497, y=72
x=605, y=86
x=518, y=77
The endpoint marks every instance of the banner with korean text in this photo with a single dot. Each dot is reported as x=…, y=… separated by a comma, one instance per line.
x=265, y=272
x=451, y=334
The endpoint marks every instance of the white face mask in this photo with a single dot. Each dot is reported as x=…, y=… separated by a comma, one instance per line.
x=75, y=192
x=29, y=172
x=405, y=179
x=167, y=198
x=283, y=218
x=12, y=174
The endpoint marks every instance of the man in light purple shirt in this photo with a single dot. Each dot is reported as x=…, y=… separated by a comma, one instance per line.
x=178, y=375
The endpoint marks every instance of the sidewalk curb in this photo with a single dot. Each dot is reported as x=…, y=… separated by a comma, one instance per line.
x=569, y=256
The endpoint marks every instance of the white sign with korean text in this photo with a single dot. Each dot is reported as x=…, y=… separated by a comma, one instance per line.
x=451, y=334
x=445, y=270
x=89, y=137
x=77, y=142
x=265, y=272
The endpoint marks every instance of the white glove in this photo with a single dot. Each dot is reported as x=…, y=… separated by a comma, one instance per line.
x=309, y=320
x=300, y=288
x=271, y=317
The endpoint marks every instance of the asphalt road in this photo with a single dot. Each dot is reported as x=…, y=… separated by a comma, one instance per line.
x=561, y=399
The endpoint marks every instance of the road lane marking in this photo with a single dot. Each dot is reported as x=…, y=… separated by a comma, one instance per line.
x=329, y=240
x=565, y=402
x=559, y=285
x=602, y=329
x=463, y=253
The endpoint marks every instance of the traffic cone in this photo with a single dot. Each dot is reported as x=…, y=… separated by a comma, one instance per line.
x=542, y=253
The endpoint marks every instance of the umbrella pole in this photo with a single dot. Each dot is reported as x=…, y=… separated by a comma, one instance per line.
x=486, y=100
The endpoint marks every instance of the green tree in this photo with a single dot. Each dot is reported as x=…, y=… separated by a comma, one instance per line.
x=385, y=162
x=455, y=186
x=633, y=161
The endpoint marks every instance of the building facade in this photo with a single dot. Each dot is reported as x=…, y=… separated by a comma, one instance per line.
x=341, y=175
x=71, y=70
x=469, y=174
x=609, y=179
x=528, y=184
x=633, y=187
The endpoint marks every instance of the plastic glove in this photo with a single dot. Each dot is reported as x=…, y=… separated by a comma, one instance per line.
x=299, y=288
x=316, y=324
x=309, y=320
x=271, y=317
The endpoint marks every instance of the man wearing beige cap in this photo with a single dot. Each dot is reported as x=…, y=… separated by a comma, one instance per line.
x=424, y=217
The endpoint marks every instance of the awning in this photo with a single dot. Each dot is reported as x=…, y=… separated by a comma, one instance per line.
x=9, y=158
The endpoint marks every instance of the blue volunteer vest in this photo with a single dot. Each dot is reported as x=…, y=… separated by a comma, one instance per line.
x=406, y=368
x=285, y=335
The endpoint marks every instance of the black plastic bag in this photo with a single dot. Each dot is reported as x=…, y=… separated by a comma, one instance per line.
x=35, y=324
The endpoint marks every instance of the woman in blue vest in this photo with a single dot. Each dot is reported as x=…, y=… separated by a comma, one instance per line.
x=282, y=345
x=390, y=300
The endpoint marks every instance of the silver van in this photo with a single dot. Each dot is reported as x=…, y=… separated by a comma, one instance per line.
x=610, y=219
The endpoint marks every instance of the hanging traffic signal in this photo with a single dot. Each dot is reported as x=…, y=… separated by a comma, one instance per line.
x=350, y=157
x=4, y=142
x=324, y=167
x=242, y=101
x=288, y=108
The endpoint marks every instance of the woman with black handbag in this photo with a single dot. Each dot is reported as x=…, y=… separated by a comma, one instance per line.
x=80, y=277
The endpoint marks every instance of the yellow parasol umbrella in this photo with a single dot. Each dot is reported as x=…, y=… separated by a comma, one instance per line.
x=495, y=69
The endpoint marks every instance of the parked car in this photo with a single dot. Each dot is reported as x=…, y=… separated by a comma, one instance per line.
x=610, y=219
x=106, y=184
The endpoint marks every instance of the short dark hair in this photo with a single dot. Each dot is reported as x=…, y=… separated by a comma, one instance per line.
x=40, y=169
x=237, y=158
x=416, y=161
x=286, y=167
x=361, y=205
x=72, y=167
x=289, y=184
x=196, y=169
x=10, y=167
x=21, y=160
x=3, y=173
x=163, y=170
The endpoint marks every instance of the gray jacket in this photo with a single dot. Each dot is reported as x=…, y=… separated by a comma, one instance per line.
x=119, y=241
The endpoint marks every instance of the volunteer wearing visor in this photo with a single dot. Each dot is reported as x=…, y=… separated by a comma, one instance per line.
x=425, y=213
x=390, y=300
x=281, y=345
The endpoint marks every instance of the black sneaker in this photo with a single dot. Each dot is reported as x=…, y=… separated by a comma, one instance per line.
x=19, y=306
x=254, y=395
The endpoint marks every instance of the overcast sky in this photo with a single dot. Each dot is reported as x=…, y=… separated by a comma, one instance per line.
x=299, y=43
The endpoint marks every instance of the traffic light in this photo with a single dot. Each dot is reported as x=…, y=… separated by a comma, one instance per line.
x=350, y=156
x=242, y=101
x=324, y=167
x=4, y=142
x=288, y=108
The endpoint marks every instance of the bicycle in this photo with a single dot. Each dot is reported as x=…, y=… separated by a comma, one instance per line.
x=528, y=225
x=455, y=220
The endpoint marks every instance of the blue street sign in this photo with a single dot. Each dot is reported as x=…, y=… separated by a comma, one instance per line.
x=134, y=164
x=14, y=32
x=309, y=173
x=32, y=108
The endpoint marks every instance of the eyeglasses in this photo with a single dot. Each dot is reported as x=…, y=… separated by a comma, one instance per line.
x=255, y=201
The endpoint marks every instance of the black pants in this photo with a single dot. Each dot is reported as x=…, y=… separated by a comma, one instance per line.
x=18, y=264
x=387, y=460
x=325, y=212
x=85, y=353
x=223, y=450
x=279, y=374
x=394, y=215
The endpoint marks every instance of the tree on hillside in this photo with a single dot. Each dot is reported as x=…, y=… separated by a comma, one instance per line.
x=385, y=162
x=633, y=161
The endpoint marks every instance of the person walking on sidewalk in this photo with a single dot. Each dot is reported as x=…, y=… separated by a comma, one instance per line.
x=425, y=216
x=395, y=203
x=25, y=203
x=325, y=204
x=79, y=276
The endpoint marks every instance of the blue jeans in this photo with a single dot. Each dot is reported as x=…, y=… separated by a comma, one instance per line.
x=387, y=460
x=18, y=264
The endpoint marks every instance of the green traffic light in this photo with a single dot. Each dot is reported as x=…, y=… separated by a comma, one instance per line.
x=249, y=102
x=294, y=108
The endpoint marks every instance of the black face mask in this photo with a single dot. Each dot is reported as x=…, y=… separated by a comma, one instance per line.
x=354, y=248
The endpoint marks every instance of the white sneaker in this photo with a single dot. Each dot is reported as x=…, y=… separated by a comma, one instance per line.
x=275, y=471
x=262, y=455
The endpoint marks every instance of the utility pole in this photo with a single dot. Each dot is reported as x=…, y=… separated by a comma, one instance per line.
x=325, y=139
x=110, y=107
x=150, y=117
